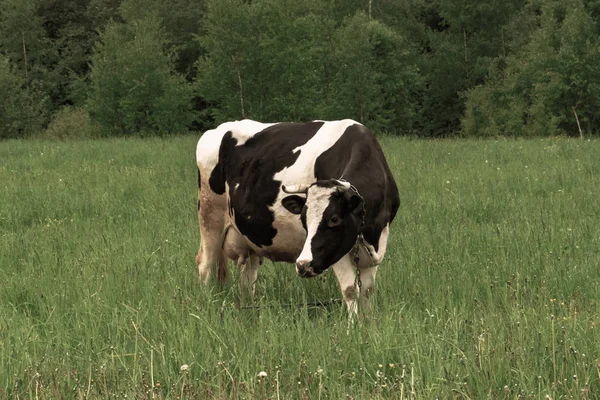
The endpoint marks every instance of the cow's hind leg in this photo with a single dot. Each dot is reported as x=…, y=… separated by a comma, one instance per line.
x=248, y=274
x=236, y=248
x=367, y=282
x=211, y=216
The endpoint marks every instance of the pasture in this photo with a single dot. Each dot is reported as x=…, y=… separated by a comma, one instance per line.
x=490, y=288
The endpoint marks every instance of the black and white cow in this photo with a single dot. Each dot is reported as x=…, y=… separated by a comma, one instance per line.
x=317, y=194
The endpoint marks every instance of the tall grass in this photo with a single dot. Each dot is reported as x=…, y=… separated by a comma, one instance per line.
x=490, y=287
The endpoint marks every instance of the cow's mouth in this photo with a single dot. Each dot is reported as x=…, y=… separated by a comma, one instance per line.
x=306, y=271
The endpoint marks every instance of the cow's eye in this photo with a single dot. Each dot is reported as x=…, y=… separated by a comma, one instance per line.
x=334, y=221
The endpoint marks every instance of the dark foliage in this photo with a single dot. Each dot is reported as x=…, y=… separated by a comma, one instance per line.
x=418, y=67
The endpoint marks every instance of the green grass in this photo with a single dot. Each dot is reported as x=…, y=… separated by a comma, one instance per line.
x=490, y=287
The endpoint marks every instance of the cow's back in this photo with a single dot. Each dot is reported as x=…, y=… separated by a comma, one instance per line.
x=207, y=149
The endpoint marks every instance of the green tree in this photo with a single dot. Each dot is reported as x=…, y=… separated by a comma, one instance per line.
x=73, y=28
x=547, y=86
x=571, y=84
x=376, y=76
x=289, y=60
x=133, y=84
x=181, y=21
x=265, y=59
x=49, y=43
x=461, y=38
x=23, y=38
x=20, y=114
x=30, y=52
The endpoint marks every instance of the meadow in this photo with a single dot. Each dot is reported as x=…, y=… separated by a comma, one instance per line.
x=490, y=288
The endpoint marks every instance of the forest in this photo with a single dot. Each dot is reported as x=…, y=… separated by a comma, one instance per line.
x=426, y=68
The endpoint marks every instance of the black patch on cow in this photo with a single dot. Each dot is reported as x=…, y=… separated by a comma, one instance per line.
x=294, y=203
x=248, y=171
x=357, y=157
x=217, y=176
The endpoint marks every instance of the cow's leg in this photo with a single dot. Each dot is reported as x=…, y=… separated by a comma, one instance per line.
x=367, y=281
x=237, y=249
x=248, y=274
x=211, y=216
x=346, y=275
x=345, y=271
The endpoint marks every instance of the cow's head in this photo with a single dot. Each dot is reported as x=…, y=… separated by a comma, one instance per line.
x=332, y=214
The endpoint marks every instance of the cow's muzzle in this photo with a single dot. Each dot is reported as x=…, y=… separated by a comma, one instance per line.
x=305, y=269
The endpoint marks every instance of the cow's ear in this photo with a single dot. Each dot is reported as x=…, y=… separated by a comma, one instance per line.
x=355, y=204
x=293, y=203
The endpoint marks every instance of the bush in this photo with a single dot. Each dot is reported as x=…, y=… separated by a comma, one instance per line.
x=71, y=123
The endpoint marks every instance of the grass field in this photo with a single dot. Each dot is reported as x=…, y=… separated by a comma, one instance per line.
x=490, y=287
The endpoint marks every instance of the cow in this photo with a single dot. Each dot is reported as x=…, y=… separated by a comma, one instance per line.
x=318, y=194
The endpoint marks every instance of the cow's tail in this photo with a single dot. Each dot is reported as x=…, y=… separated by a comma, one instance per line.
x=199, y=186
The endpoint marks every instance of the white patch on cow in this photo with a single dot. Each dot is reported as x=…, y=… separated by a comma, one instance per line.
x=207, y=150
x=246, y=129
x=237, y=185
x=303, y=170
x=383, y=240
x=377, y=256
x=319, y=200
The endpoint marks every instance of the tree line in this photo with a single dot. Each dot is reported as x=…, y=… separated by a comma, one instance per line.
x=412, y=67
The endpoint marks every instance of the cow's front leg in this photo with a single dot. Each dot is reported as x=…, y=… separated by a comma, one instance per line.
x=345, y=271
x=346, y=275
x=248, y=267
